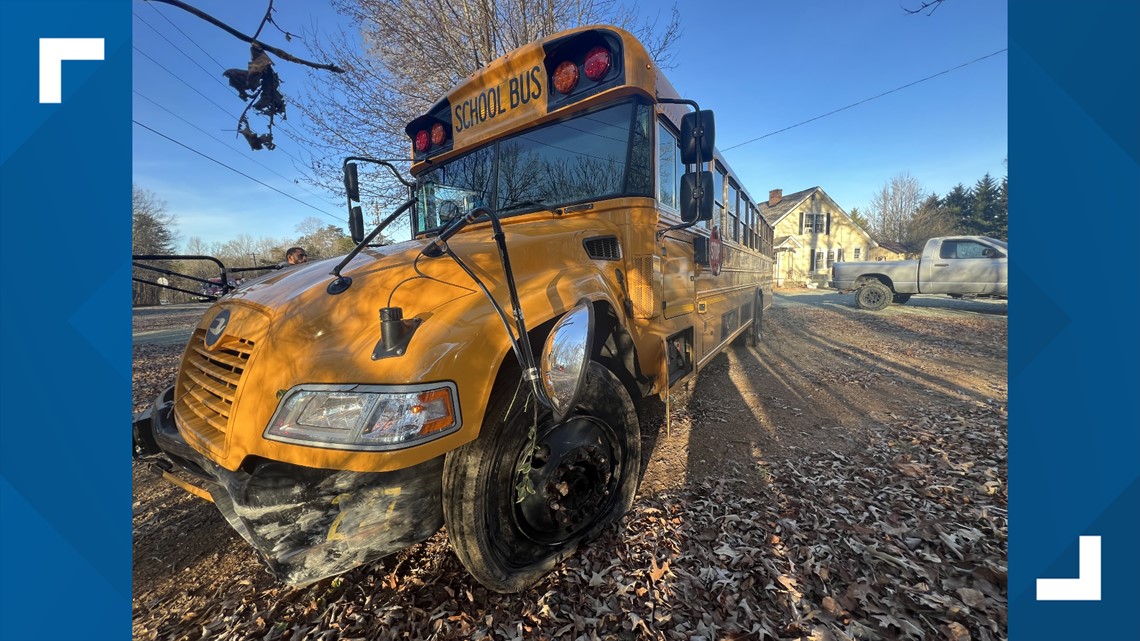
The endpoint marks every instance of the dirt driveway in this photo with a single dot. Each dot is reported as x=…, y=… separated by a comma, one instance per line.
x=845, y=479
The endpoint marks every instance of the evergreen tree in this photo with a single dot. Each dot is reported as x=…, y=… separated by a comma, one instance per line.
x=1000, y=227
x=957, y=205
x=858, y=218
x=930, y=220
x=983, y=207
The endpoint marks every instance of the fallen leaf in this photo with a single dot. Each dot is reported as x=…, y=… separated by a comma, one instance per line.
x=958, y=632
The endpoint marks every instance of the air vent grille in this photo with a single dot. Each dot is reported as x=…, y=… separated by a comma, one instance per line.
x=603, y=248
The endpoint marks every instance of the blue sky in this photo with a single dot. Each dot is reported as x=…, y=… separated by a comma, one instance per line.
x=761, y=66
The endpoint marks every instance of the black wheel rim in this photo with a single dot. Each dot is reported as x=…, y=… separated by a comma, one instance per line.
x=872, y=297
x=576, y=472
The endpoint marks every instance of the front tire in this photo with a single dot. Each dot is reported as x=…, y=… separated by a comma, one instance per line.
x=873, y=296
x=585, y=473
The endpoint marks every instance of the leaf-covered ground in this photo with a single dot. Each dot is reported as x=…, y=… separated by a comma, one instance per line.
x=844, y=480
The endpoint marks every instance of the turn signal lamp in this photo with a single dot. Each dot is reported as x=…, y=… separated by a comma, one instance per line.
x=566, y=77
x=438, y=134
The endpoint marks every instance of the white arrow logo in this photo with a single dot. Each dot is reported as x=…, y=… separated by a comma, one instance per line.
x=1086, y=587
x=218, y=327
x=53, y=51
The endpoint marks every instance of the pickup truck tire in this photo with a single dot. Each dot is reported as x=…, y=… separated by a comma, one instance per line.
x=900, y=299
x=583, y=475
x=873, y=296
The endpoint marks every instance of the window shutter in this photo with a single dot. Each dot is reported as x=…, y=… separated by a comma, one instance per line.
x=828, y=224
x=801, y=222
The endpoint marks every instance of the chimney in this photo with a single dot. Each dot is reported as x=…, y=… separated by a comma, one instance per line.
x=775, y=196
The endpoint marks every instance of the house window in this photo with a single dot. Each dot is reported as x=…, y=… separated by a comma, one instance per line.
x=814, y=223
x=817, y=260
x=830, y=258
x=856, y=253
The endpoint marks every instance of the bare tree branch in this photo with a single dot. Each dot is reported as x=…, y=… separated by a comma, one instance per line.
x=280, y=53
x=932, y=5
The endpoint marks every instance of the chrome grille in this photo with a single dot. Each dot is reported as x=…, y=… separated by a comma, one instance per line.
x=207, y=385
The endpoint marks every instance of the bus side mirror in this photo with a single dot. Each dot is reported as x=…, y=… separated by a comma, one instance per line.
x=351, y=182
x=696, y=196
x=356, y=224
x=698, y=136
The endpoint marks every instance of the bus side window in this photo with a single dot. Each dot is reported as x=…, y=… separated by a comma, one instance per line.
x=668, y=160
x=732, y=228
x=745, y=221
x=718, y=199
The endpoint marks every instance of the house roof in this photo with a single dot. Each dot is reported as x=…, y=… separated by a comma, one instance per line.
x=775, y=214
x=891, y=245
x=787, y=240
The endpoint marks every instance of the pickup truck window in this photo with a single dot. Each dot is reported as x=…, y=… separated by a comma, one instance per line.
x=967, y=249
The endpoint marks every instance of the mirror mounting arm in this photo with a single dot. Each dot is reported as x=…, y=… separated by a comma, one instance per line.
x=341, y=283
x=385, y=163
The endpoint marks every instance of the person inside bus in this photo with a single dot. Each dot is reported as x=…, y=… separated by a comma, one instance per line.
x=295, y=256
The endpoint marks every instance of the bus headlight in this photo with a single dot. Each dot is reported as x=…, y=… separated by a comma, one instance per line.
x=364, y=417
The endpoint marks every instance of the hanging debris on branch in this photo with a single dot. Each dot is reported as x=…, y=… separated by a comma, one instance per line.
x=258, y=84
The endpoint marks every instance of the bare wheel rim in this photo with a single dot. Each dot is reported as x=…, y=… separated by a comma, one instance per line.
x=576, y=473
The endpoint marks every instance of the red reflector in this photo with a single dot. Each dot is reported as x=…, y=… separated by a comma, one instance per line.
x=597, y=63
x=566, y=77
x=438, y=134
x=422, y=141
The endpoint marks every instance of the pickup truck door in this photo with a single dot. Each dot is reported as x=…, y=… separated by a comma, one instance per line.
x=964, y=267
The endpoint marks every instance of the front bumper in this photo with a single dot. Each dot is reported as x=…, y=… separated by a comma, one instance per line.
x=307, y=523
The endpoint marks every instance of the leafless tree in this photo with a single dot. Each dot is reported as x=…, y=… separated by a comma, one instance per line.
x=152, y=233
x=893, y=208
x=404, y=56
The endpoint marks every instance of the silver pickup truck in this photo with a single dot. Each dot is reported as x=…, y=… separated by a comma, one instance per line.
x=954, y=265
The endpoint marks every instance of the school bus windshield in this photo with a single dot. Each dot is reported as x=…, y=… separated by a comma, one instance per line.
x=595, y=155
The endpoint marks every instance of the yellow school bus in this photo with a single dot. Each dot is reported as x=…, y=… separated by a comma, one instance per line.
x=577, y=243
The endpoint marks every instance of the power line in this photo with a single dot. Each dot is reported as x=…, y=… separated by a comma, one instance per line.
x=179, y=50
x=192, y=87
x=235, y=149
x=855, y=104
x=236, y=171
x=220, y=65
